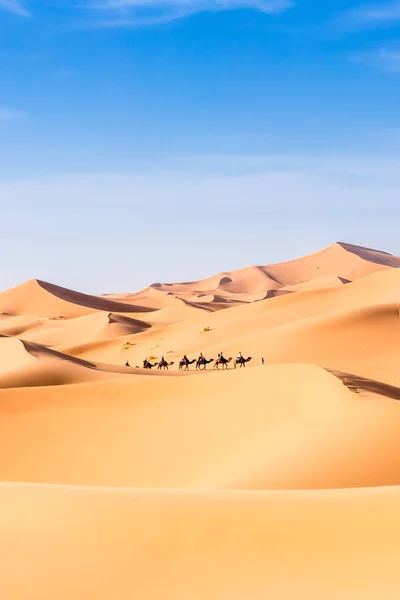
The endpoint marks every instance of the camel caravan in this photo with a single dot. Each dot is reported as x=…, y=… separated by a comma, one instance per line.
x=200, y=363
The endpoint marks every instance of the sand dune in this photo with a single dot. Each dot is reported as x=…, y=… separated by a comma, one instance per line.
x=319, y=283
x=249, y=328
x=134, y=543
x=280, y=481
x=45, y=299
x=339, y=262
x=365, y=341
x=149, y=297
x=94, y=327
x=25, y=364
x=289, y=427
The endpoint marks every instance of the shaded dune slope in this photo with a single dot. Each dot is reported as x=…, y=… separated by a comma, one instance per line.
x=26, y=364
x=45, y=299
x=359, y=385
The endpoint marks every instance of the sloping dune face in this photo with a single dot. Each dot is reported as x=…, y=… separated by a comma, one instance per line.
x=338, y=264
x=44, y=299
x=278, y=477
x=288, y=427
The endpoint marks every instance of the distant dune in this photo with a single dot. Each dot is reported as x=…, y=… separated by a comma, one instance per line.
x=279, y=479
x=339, y=263
x=45, y=299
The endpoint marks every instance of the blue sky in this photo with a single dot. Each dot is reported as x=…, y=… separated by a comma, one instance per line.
x=148, y=140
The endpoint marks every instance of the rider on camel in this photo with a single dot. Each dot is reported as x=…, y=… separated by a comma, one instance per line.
x=201, y=358
x=185, y=360
x=240, y=357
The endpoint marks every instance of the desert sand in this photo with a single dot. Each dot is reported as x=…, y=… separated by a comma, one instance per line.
x=280, y=481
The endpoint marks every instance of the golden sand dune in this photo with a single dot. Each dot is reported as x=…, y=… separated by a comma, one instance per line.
x=319, y=283
x=337, y=263
x=149, y=297
x=285, y=427
x=68, y=542
x=45, y=299
x=96, y=326
x=250, y=329
x=26, y=364
x=278, y=481
x=364, y=341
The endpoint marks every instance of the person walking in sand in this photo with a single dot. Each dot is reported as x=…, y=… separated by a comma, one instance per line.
x=262, y=362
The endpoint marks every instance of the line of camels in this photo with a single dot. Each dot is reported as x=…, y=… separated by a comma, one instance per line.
x=201, y=363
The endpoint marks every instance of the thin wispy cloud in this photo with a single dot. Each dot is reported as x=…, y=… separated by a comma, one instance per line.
x=15, y=7
x=371, y=16
x=119, y=13
x=262, y=201
x=385, y=59
x=8, y=114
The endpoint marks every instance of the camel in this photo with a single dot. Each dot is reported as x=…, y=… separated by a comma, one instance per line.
x=164, y=365
x=223, y=361
x=241, y=363
x=201, y=364
x=148, y=365
x=184, y=364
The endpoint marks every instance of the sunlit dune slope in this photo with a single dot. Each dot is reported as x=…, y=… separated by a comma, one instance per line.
x=319, y=283
x=282, y=427
x=339, y=262
x=364, y=341
x=97, y=326
x=249, y=328
x=149, y=297
x=25, y=364
x=60, y=542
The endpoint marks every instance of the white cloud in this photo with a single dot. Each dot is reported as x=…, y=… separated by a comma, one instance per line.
x=193, y=217
x=371, y=16
x=382, y=58
x=379, y=14
x=7, y=114
x=117, y=13
x=15, y=7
